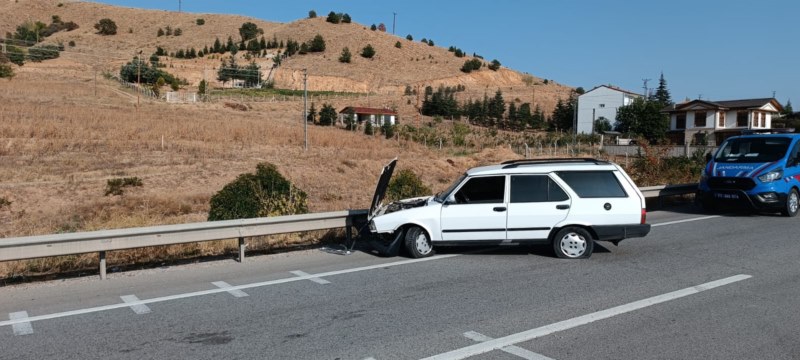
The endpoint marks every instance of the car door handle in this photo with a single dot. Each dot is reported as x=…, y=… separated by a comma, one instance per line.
x=562, y=207
x=500, y=208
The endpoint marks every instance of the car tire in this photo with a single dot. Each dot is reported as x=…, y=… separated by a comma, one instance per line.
x=792, y=204
x=418, y=243
x=573, y=243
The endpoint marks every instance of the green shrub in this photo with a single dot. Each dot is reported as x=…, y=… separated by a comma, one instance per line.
x=106, y=27
x=4, y=203
x=265, y=193
x=6, y=71
x=114, y=186
x=368, y=51
x=43, y=52
x=406, y=184
x=200, y=22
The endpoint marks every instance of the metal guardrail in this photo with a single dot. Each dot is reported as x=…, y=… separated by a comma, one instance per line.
x=668, y=190
x=29, y=247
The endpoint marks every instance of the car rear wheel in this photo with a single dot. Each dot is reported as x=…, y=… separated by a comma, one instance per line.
x=573, y=243
x=792, y=204
x=418, y=242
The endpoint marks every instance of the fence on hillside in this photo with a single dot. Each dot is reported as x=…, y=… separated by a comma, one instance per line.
x=265, y=97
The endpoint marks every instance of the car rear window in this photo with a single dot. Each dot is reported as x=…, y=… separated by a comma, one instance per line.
x=593, y=184
x=535, y=188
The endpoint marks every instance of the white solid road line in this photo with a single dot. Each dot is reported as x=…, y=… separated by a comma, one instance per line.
x=511, y=349
x=228, y=288
x=216, y=291
x=313, y=278
x=23, y=328
x=685, y=220
x=135, y=304
x=512, y=339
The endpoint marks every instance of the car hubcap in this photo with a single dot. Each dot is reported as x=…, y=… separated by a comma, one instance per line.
x=793, y=203
x=423, y=246
x=573, y=245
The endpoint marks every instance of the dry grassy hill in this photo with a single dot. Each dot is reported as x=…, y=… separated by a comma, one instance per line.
x=64, y=131
x=387, y=74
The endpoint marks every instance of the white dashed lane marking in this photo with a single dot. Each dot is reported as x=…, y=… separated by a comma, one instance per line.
x=499, y=343
x=313, y=278
x=21, y=328
x=511, y=349
x=227, y=287
x=135, y=304
x=217, y=291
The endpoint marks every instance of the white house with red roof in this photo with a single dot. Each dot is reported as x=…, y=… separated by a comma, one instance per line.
x=376, y=116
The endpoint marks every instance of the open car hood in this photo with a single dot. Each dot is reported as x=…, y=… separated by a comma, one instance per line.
x=380, y=190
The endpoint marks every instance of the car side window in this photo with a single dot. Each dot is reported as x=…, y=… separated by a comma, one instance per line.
x=593, y=184
x=794, y=155
x=482, y=190
x=535, y=188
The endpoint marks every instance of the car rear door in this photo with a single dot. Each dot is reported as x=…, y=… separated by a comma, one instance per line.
x=536, y=204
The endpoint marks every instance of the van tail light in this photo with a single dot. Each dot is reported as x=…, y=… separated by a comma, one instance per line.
x=644, y=216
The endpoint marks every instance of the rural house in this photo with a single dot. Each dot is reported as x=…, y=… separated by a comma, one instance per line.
x=711, y=122
x=377, y=117
x=601, y=102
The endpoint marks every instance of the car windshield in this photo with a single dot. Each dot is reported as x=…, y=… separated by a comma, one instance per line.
x=753, y=150
x=443, y=194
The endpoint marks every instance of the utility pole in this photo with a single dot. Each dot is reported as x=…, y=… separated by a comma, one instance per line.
x=179, y=5
x=645, y=87
x=305, y=102
x=138, y=77
x=394, y=22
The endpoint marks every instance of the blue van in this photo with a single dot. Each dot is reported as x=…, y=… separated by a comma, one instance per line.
x=760, y=171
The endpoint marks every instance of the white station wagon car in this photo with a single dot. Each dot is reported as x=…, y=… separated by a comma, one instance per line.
x=567, y=203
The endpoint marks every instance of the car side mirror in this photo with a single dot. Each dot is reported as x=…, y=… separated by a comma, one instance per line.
x=708, y=157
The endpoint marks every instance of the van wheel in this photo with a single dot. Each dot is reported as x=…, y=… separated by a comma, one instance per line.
x=792, y=204
x=418, y=242
x=573, y=243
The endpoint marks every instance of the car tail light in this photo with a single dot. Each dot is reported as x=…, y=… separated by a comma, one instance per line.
x=644, y=216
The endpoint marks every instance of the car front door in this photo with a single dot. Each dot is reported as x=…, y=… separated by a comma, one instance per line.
x=476, y=210
x=536, y=204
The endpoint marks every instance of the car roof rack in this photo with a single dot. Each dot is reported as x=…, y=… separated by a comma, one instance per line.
x=768, y=131
x=516, y=163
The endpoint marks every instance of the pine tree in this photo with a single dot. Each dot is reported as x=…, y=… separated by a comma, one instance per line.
x=409, y=37
x=327, y=116
x=345, y=57
x=346, y=18
x=217, y=46
x=497, y=106
x=312, y=114
x=662, y=93
x=317, y=44
x=787, y=109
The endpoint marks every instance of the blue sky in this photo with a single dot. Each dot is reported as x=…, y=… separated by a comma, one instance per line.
x=717, y=50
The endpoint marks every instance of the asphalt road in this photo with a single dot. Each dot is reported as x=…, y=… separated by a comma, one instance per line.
x=719, y=287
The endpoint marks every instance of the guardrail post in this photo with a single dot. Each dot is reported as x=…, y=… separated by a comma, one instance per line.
x=241, y=249
x=102, y=265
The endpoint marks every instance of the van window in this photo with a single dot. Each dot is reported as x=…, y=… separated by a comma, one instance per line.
x=535, y=188
x=593, y=184
x=753, y=150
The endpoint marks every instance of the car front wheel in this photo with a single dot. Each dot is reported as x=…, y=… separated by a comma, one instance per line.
x=573, y=243
x=792, y=204
x=418, y=242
